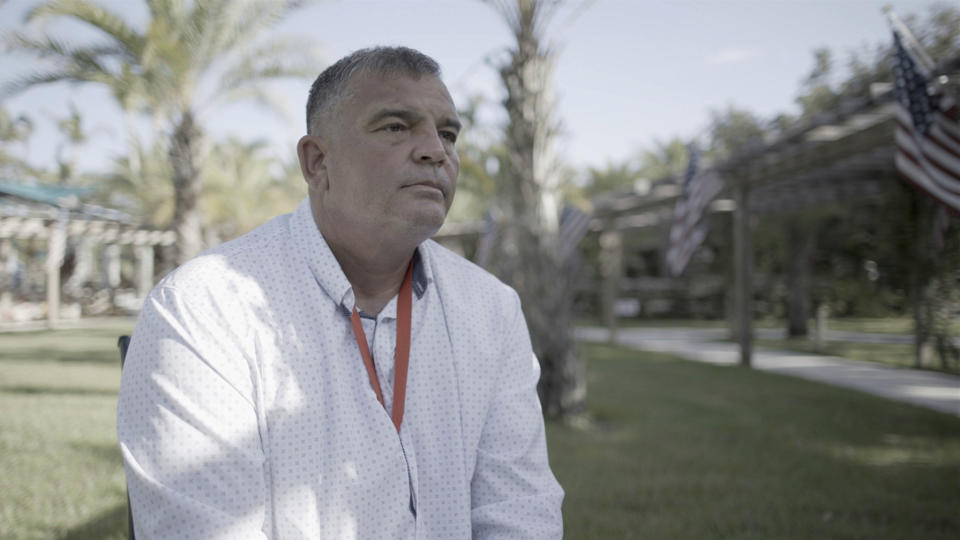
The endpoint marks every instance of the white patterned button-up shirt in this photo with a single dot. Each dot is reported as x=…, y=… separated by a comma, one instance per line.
x=245, y=410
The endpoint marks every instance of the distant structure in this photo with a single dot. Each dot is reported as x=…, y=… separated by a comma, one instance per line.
x=52, y=243
x=837, y=159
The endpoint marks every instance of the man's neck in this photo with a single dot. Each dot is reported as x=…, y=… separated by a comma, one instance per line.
x=374, y=286
x=375, y=273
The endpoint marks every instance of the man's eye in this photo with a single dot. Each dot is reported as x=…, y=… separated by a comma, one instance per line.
x=395, y=128
x=449, y=135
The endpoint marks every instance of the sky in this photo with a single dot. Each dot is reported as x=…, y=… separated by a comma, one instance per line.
x=628, y=72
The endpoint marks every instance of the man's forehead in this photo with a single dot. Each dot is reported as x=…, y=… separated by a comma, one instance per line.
x=376, y=90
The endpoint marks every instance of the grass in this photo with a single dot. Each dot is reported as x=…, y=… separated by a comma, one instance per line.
x=885, y=325
x=687, y=450
x=678, y=450
x=61, y=468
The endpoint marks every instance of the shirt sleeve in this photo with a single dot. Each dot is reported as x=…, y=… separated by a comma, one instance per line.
x=188, y=427
x=513, y=492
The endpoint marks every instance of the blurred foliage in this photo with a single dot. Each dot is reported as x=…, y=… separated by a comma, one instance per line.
x=481, y=154
x=484, y=172
x=663, y=159
x=732, y=129
x=139, y=183
x=188, y=57
x=824, y=87
x=14, y=133
x=243, y=186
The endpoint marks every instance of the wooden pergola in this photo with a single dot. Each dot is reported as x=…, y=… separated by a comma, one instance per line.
x=56, y=217
x=841, y=157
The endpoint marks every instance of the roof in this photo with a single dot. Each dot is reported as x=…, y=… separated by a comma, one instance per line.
x=29, y=199
x=61, y=196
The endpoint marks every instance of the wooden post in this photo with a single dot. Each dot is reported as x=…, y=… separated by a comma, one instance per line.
x=8, y=264
x=56, y=246
x=743, y=272
x=611, y=268
x=111, y=271
x=823, y=311
x=144, y=256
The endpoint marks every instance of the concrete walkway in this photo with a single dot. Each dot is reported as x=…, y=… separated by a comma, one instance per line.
x=938, y=391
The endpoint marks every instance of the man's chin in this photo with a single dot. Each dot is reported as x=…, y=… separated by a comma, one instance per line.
x=426, y=224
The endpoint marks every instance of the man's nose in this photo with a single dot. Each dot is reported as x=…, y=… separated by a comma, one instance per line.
x=430, y=148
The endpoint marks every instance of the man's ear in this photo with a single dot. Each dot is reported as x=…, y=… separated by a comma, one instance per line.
x=312, y=152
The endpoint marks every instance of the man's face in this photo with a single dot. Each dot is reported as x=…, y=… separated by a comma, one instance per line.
x=389, y=164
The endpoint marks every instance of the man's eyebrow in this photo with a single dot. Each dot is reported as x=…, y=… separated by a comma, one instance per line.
x=403, y=114
x=450, y=122
x=410, y=116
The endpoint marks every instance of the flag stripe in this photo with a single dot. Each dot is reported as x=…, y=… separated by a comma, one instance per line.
x=913, y=175
x=936, y=134
x=946, y=177
x=689, y=229
x=931, y=176
x=948, y=128
x=574, y=224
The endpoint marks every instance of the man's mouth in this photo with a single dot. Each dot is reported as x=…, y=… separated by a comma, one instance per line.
x=430, y=184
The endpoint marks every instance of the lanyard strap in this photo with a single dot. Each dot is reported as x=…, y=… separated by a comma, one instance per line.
x=402, y=355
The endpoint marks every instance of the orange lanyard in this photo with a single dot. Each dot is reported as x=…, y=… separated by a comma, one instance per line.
x=402, y=356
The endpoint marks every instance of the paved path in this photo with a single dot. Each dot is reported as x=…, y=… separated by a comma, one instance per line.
x=841, y=335
x=930, y=389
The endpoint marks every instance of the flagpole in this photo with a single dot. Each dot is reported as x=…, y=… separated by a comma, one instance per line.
x=912, y=42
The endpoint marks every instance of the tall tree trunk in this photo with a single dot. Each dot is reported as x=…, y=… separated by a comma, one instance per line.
x=184, y=158
x=543, y=281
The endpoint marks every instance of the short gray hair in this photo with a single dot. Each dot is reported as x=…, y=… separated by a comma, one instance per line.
x=329, y=86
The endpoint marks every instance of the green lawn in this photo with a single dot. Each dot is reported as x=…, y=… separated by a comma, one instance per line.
x=885, y=325
x=678, y=450
x=687, y=450
x=891, y=354
x=59, y=460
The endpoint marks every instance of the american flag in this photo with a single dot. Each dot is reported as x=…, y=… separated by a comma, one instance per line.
x=928, y=133
x=689, y=229
x=488, y=238
x=573, y=227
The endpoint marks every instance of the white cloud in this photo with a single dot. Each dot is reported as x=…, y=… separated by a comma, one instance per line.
x=731, y=55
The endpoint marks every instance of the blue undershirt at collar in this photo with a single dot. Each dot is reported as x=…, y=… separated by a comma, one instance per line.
x=419, y=282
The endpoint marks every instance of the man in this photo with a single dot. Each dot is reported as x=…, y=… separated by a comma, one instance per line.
x=334, y=373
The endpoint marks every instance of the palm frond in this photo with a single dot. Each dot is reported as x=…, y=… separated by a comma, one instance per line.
x=46, y=47
x=76, y=64
x=260, y=95
x=243, y=22
x=108, y=22
x=88, y=57
x=169, y=13
x=271, y=60
x=42, y=77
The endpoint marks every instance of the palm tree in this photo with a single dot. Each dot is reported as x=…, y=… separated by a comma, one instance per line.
x=167, y=69
x=531, y=192
x=139, y=183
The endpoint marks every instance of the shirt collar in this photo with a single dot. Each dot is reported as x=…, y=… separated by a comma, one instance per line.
x=325, y=268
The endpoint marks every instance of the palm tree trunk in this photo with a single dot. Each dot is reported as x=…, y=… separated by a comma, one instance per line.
x=184, y=158
x=531, y=240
